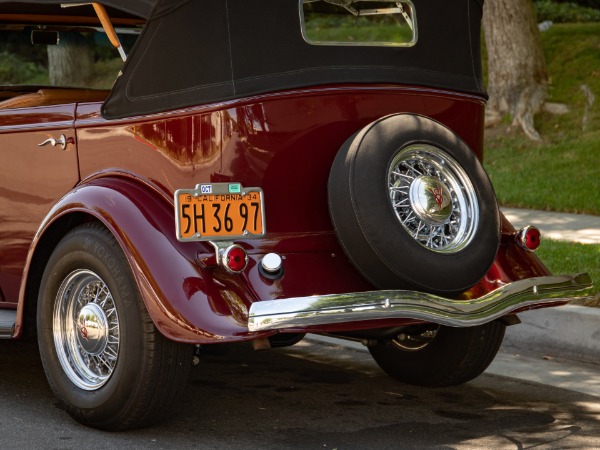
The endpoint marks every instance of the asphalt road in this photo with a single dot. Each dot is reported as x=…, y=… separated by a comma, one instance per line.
x=310, y=396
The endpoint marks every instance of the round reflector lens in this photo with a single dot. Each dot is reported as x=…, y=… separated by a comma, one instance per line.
x=529, y=238
x=235, y=258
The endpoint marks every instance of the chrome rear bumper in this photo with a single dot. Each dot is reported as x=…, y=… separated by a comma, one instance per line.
x=303, y=312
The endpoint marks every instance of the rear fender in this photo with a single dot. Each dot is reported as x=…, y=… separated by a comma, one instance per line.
x=512, y=263
x=187, y=301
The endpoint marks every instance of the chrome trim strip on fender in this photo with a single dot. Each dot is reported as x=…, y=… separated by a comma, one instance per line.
x=395, y=304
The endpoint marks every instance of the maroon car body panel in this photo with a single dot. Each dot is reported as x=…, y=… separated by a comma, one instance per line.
x=282, y=142
x=29, y=191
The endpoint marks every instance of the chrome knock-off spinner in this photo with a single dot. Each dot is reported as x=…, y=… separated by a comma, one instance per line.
x=430, y=200
x=92, y=327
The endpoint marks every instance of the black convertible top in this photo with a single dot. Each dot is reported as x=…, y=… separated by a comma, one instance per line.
x=201, y=51
x=141, y=8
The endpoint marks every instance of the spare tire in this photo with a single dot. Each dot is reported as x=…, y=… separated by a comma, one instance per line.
x=413, y=207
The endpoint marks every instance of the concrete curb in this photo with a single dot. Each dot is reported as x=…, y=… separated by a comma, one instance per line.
x=569, y=332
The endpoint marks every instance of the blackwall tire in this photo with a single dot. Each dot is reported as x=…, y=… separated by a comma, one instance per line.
x=413, y=207
x=104, y=359
x=439, y=356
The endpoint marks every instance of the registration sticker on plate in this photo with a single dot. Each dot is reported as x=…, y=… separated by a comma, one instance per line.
x=219, y=211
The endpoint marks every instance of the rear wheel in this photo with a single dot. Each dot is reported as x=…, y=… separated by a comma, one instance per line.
x=434, y=355
x=103, y=357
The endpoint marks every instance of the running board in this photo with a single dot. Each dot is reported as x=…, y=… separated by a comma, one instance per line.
x=8, y=318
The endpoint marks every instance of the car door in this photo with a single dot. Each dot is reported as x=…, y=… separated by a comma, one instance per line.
x=35, y=171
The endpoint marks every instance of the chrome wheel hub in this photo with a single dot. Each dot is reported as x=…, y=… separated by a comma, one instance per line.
x=433, y=198
x=430, y=200
x=92, y=327
x=86, y=329
x=415, y=341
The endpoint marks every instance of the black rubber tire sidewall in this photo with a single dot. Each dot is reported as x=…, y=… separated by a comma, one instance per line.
x=88, y=248
x=366, y=224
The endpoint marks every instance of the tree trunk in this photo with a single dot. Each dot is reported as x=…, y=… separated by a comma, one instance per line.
x=70, y=62
x=517, y=79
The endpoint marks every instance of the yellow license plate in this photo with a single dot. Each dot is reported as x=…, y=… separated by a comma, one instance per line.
x=219, y=211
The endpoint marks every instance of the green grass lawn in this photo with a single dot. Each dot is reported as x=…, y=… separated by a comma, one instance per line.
x=555, y=176
x=563, y=172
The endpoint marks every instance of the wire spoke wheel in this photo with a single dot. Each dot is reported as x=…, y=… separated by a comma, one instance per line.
x=86, y=329
x=433, y=198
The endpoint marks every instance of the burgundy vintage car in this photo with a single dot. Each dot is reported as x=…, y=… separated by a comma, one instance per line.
x=254, y=171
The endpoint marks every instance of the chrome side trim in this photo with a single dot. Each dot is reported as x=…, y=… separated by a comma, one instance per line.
x=353, y=307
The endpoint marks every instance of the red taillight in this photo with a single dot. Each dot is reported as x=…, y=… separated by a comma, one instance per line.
x=235, y=258
x=529, y=238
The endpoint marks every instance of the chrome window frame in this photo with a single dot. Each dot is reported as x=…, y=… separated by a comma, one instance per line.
x=411, y=43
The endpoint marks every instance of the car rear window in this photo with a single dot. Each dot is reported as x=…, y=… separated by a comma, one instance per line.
x=386, y=23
